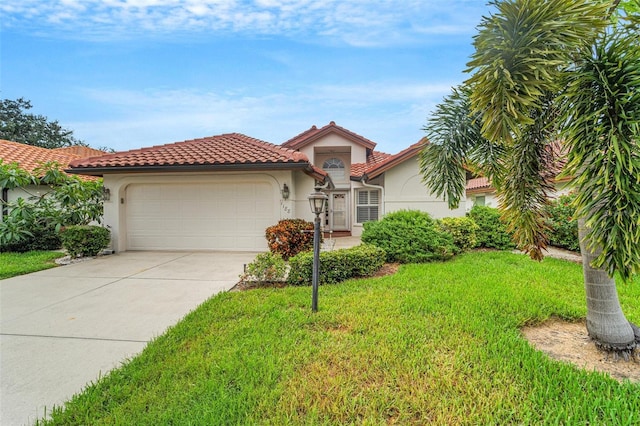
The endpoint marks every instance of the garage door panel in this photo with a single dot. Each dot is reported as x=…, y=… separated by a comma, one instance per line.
x=225, y=209
x=201, y=216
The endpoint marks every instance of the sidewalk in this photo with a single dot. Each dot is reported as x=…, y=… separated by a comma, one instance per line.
x=558, y=253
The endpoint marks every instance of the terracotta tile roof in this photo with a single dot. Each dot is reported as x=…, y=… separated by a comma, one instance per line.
x=313, y=134
x=80, y=151
x=210, y=152
x=479, y=183
x=31, y=157
x=373, y=159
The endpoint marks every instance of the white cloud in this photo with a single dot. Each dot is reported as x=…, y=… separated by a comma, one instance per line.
x=138, y=119
x=356, y=22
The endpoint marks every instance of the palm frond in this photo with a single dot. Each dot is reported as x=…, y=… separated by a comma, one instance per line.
x=521, y=52
x=456, y=144
x=451, y=134
x=602, y=114
x=529, y=180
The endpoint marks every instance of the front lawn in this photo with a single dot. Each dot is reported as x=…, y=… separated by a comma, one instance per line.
x=435, y=343
x=12, y=264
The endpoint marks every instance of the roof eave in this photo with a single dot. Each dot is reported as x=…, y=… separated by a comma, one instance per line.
x=173, y=168
x=485, y=189
x=394, y=160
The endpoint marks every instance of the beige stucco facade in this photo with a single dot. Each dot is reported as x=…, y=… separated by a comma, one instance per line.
x=398, y=187
x=218, y=204
x=404, y=190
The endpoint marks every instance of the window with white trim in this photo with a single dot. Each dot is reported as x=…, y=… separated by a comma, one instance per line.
x=367, y=205
x=335, y=168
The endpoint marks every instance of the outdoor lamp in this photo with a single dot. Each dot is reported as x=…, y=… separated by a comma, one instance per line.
x=317, y=201
x=285, y=192
x=106, y=194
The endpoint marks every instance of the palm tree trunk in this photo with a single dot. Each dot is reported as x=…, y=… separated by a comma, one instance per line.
x=606, y=323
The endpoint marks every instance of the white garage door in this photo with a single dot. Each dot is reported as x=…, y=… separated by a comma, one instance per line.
x=200, y=216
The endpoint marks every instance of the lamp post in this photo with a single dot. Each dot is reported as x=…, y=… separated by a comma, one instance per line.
x=317, y=201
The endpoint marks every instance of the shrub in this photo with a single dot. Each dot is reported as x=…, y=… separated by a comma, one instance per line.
x=33, y=221
x=37, y=239
x=462, y=229
x=409, y=236
x=290, y=237
x=563, y=227
x=492, y=231
x=338, y=265
x=266, y=268
x=84, y=240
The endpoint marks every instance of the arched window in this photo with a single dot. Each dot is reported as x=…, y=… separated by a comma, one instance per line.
x=335, y=168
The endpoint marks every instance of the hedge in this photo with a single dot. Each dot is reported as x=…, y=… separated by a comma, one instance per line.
x=409, y=236
x=85, y=240
x=336, y=266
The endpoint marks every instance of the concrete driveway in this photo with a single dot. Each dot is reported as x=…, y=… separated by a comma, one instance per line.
x=62, y=328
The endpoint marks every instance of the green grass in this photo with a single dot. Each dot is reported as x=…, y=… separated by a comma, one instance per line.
x=12, y=264
x=435, y=343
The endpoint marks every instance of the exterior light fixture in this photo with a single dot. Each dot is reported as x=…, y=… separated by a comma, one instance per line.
x=285, y=192
x=106, y=193
x=317, y=201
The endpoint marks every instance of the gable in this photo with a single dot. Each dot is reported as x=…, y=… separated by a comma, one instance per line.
x=313, y=135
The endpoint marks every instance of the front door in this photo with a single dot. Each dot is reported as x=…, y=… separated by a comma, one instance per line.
x=338, y=211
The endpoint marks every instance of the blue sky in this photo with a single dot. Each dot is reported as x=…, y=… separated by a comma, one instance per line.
x=132, y=73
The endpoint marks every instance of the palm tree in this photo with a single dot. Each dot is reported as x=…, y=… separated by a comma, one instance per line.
x=548, y=70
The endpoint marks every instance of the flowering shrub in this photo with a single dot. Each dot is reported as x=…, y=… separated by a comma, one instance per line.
x=563, y=226
x=290, y=237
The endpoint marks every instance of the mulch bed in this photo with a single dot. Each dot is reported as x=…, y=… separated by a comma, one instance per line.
x=387, y=269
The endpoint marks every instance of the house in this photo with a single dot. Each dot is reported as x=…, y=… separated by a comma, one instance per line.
x=30, y=157
x=480, y=192
x=222, y=192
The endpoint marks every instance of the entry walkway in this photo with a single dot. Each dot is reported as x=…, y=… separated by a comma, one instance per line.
x=63, y=328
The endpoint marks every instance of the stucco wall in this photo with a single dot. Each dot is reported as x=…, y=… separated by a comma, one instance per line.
x=26, y=193
x=304, y=186
x=404, y=190
x=358, y=152
x=490, y=199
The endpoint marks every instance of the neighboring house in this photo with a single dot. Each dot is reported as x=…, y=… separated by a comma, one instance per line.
x=31, y=157
x=222, y=192
x=480, y=192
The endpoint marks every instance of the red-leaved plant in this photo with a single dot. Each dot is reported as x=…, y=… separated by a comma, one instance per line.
x=290, y=237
